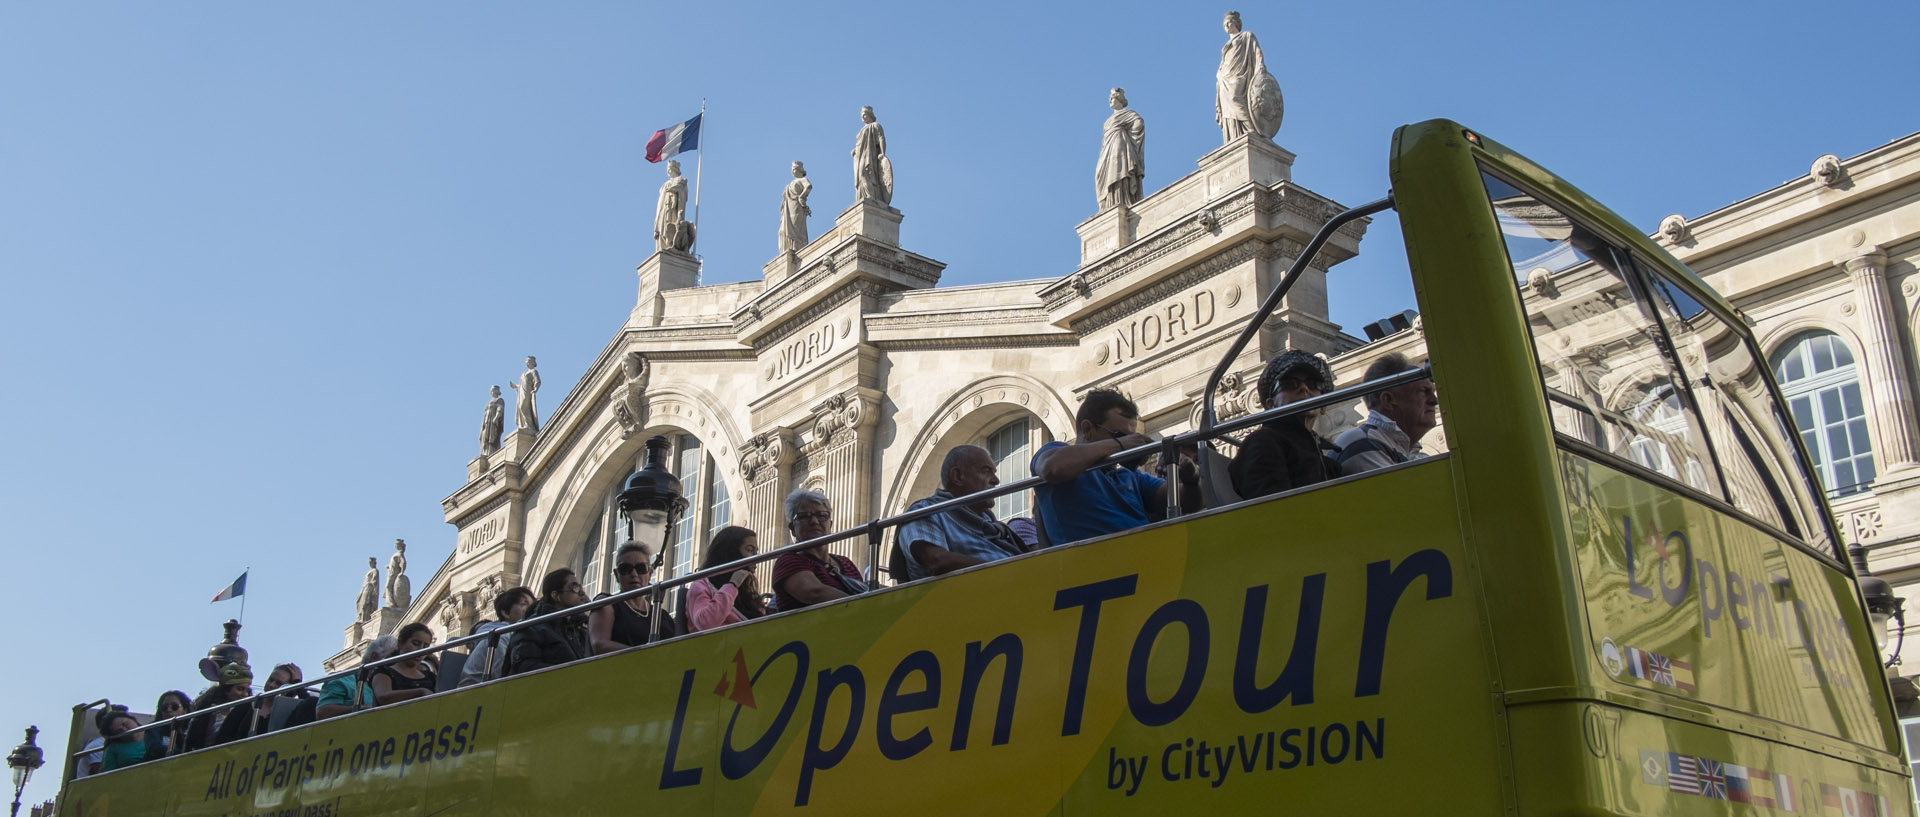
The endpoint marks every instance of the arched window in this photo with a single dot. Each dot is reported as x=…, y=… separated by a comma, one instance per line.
x=708, y=510
x=1012, y=449
x=1822, y=387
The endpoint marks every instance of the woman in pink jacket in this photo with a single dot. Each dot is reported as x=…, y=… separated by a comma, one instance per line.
x=726, y=599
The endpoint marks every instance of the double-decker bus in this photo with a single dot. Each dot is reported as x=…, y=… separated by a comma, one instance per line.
x=1618, y=591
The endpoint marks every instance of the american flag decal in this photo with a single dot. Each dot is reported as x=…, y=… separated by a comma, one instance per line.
x=1720, y=780
x=1682, y=775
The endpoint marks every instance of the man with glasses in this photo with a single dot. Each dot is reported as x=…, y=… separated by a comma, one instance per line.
x=1285, y=453
x=1081, y=501
x=1396, y=420
x=812, y=576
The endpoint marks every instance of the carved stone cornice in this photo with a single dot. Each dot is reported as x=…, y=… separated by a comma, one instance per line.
x=763, y=455
x=979, y=342
x=1032, y=314
x=839, y=419
x=1198, y=273
x=488, y=507
x=806, y=317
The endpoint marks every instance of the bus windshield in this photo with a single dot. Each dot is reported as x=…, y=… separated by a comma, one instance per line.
x=1639, y=370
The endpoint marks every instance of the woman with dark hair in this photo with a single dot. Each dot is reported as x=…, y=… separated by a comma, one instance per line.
x=629, y=622
x=486, y=661
x=122, y=748
x=170, y=740
x=409, y=679
x=235, y=683
x=726, y=598
x=554, y=642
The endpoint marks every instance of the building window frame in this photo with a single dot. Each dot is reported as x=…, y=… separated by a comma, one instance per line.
x=1819, y=378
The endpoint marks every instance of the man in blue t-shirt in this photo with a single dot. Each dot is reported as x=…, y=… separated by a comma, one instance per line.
x=1080, y=501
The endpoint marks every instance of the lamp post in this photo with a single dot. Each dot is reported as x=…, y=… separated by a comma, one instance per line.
x=651, y=497
x=1882, y=606
x=25, y=758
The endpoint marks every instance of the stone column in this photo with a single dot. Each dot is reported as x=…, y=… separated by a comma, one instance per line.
x=1889, y=391
x=838, y=451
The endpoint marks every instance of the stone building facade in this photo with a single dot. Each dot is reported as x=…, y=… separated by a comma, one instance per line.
x=846, y=369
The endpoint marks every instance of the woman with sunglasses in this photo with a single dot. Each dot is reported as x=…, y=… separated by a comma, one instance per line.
x=1285, y=454
x=629, y=622
x=161, y=742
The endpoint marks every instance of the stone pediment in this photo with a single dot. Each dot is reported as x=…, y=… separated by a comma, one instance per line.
x=860, y=255
x=1241, y=193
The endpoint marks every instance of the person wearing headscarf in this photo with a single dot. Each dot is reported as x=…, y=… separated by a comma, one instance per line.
x=235, y=683
x=1285, y=453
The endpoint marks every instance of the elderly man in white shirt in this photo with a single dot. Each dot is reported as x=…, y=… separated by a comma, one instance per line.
x=1396, y=420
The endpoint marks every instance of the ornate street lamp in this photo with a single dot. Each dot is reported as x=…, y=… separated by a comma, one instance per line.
x=25, y=758
x=651, y=499
x=1882, y=606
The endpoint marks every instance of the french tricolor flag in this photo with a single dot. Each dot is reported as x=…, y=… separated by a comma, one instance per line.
x=675, y=140
x=238, y=588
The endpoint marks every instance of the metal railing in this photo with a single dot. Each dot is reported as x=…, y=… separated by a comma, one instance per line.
x=874, y=530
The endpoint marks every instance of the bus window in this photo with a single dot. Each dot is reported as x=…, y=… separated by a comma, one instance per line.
x=1747, y=428
x=1603, y=360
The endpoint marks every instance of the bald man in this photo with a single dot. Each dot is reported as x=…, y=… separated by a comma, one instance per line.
x=964, y=536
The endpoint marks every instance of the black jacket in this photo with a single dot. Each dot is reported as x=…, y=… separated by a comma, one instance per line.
x=549, y=643
x=1281, y=456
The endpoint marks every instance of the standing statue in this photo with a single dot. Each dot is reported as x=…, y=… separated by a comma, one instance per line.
x=794, y=211
x=1246, y=99
x=369, y=599
x=492, y=423
x=671, y=231
x=872, y=170
x=525, y=415
x=399, y=588
x=1123, y=156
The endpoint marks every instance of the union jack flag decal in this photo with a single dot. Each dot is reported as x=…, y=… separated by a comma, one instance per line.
x=1713, y=779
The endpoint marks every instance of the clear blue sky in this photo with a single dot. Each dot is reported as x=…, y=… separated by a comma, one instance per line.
x=261, y=261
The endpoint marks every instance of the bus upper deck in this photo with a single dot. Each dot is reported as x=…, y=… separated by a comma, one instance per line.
x=1617, y=591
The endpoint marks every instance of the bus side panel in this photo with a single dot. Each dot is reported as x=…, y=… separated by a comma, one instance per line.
x=1317, y=650
x=1691, y=606
x=415, y=760
x=1591, y=758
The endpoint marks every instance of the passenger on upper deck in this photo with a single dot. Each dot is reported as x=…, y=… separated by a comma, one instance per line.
x=235, y=684
x=629, y=622
x=409, y=679
x=961, y=537
x=484, y=662
x=726, y=598
x=337, y=696
x=813, y=575
x=551, y=643
x=122, y=748
x=233, y=729
x=1080, y=501
x=171, y=740
x=1396, y=420
x=1285, y=453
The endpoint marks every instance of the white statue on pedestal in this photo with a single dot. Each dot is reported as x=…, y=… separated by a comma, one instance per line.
x=794, y=211
x=369, y=599
x=492, y=423
x=872, y=170
x=1122, y=166
x=1246, y=98
x=525, y=415
x=399, y=587
x=670, y=228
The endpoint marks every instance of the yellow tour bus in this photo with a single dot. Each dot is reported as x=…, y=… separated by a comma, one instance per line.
x=1618, y=591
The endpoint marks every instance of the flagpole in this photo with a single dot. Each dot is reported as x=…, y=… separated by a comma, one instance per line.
x=698, y=162
x=243, y=595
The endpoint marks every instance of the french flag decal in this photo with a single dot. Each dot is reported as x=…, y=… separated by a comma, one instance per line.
x=675, y=140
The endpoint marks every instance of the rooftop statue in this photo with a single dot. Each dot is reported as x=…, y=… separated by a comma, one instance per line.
x=1246, y=97
x=525, y=414
x=794, y=211
x=872, y=170
x=399, y=587
x=671, y=231
x=1117, y=176
x=369, y=599
x=492, y=423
